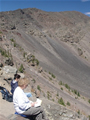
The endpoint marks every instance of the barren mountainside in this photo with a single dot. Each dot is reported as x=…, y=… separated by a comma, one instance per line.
x=60, y=41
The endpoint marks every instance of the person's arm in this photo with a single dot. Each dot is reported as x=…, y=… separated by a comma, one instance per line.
x=13, y=86
x=23, y=102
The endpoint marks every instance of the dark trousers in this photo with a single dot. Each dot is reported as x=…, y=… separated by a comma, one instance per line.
x=36, y=111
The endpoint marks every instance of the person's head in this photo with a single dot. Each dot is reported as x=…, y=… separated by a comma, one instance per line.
x=23, y=83
x=16, y=76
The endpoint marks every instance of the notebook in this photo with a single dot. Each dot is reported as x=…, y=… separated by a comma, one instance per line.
x=38, y=102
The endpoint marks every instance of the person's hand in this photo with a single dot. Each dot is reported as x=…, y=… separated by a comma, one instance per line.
x=32, y=104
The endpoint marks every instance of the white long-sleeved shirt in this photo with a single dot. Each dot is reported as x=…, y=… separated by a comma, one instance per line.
x=21, y=101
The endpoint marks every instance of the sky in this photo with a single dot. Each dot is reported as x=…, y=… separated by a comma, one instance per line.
x=82, y=6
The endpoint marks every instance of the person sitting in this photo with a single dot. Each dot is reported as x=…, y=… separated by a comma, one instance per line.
x=14, y=84
x=25, y=106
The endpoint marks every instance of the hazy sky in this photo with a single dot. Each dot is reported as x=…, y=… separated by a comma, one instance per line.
x=82, y=6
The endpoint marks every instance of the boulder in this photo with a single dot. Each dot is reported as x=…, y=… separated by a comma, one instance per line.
x=8, y=72
x=9, y=69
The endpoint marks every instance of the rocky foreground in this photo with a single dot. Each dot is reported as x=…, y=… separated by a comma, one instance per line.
x=53, y=111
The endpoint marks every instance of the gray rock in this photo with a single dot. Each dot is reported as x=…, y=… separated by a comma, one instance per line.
x=9, y=69
x=8, y=72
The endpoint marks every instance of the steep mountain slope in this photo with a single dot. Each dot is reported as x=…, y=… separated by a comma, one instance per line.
x=60, y=41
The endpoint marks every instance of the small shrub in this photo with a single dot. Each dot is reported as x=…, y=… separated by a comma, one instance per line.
x=15, y=44
x=60, y=83
x=37, y=62
x=89, y=100
x=60, y=101
x=75, y=91
x=61, y=88
x=89, y=117
x=53, y=100
x=49, y=73
x=48, y=95
x=0, y=32
x=33, y=60
x=33, y=57
x=5, y=53
x=12, y=40
x=80, y=52
x=78, y=94
x=78, y=112
x=50, y=78
x=43, y=94
x=24, y=54
x=76, y=97
x=57, y=94
x=68, y=103
x=21, y=69
x=34, y=80
x=66, y=85
x=53, y=76
x=38, y=87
